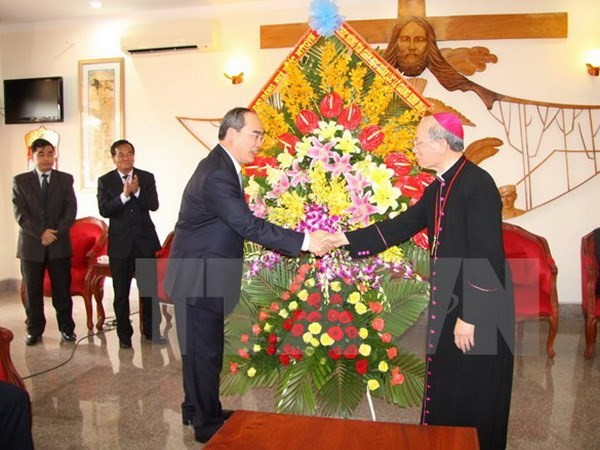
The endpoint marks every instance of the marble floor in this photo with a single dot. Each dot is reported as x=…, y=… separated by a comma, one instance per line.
x=93, y=395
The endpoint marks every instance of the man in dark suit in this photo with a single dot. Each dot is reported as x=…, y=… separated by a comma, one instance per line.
x=126, y=196
x=205, y=266
x=45, y=208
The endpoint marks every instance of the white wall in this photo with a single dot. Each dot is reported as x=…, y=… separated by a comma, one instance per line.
x=160, y=87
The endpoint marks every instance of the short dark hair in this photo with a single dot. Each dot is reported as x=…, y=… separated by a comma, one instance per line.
x=113, y=147
x=233, y=119
x=40, y=143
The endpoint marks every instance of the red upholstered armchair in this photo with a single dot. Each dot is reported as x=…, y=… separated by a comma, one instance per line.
x=88, y=239
x=590, y=300
x=8, y=372
x=534, y=277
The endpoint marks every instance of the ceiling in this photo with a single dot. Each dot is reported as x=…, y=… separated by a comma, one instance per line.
x=24, y=11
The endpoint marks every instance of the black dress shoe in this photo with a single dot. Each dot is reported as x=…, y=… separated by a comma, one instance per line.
x=186, y=418
x=227, y=413
x=123, y=344
x=68, y=337
x=32, y=339
x=203, y=435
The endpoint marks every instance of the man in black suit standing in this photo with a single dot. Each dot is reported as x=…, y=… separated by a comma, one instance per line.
x=126, y=196
x=45, y=208
x=205, y=266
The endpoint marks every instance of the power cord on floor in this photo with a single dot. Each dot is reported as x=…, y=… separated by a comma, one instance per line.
x=109, y=325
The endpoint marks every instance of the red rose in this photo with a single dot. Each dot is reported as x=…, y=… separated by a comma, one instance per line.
x=244, y=337
x=284, y=359
x=298, y=314
x=274, y=306
x=351, y=332
x=336, y=299
x=335, y=353
x=378, y=324
x=332, y=315
x=350, y=117
x=351, y=352
x=314, y=316
x=307, y=121
x=271, y=350
x=345, y=317
x=399, y=163
x=386, y=337
x=392, y=352
x=397, y=376
x=370, y=137
x=331, y=105
x=233, y=367
x=287, y=324
x=285, y=296
x=314, y=299
x=335, y=333
x=376, y=307
x=289, y=141
x=361, y=366
x=421, y=239
x=259, y=166
x=272, y=339
x=297, y=329
x=243, y=353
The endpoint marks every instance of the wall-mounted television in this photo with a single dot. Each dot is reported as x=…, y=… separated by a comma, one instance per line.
x=33, y=100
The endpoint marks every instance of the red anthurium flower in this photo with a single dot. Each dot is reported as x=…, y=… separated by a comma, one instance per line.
x=335, y=353
x=361, y=366
x=351, y=332
x=284, y=359
x=350, y=117
x=233, y=367
x=331, y=105
x=314, y=299
x=378, y=324
x=370, y=137
x=399, y=163
x=392, y=352
x=386, y=337
x=421, y=239
x=258, y=168
x=314, y=316
x=272, y=339
x=289, y=141
x=307, y=121
x=297, y=329
x=336, y=299
x=345, y=317
x=376, y=307
x=332, y=315
x=335, y=333
x=351, y=352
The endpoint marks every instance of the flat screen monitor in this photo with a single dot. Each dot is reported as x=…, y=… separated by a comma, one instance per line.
x=33, y=100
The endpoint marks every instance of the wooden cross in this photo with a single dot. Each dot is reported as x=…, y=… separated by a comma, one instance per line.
x=447, y=28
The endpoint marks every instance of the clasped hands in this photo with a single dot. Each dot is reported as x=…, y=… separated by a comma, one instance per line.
x=49, y=236
x=322, y=242
x=131, y=187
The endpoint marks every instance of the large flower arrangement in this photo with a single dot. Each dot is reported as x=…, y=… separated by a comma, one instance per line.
x=325, y=330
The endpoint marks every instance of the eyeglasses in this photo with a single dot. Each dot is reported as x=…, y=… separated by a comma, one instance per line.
x=257, y=135
x=417, y=143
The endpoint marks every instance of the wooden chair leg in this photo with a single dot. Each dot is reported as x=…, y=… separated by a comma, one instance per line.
x=87, y=301
x=551, y=336
x=590, y=335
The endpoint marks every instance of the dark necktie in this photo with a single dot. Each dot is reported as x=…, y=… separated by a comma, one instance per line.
x=125, y=178
x=45, y=186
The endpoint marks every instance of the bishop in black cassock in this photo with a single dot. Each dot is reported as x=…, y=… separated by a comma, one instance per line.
x=470, y=331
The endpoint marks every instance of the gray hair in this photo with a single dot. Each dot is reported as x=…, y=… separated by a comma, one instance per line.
x=439, y=132
x=233, y=119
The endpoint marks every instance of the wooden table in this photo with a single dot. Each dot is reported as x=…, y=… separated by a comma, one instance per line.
x=268, y=431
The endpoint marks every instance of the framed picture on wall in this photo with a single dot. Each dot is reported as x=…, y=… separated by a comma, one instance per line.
x=101, y=83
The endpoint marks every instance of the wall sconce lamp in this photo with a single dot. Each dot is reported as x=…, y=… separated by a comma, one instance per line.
x=593, y=62
x=235, y=79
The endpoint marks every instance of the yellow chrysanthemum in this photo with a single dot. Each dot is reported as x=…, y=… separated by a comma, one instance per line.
x=392, y=255
x=354, y=298
x=256, y=348
x=307, y=337
x=268, y=327
x=309, y=282
x=315, y=328
x=315, y=342
x=251, y=372
x=284, y=313
x=363, y=333
x=335, y=286
x=364, y=349
x=303, y=295
x=293, y=306
x=383, y=366
x=326, y=340
x=360, y=308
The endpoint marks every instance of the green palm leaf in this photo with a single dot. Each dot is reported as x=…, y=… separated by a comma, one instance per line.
x=410, y=392
x=408, y=299
x=296, y=390
x=343, y=392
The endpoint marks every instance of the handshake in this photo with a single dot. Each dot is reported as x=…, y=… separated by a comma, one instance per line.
x=322, y=242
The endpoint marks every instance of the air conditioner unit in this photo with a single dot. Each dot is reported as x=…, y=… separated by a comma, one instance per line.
x=175, y=35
